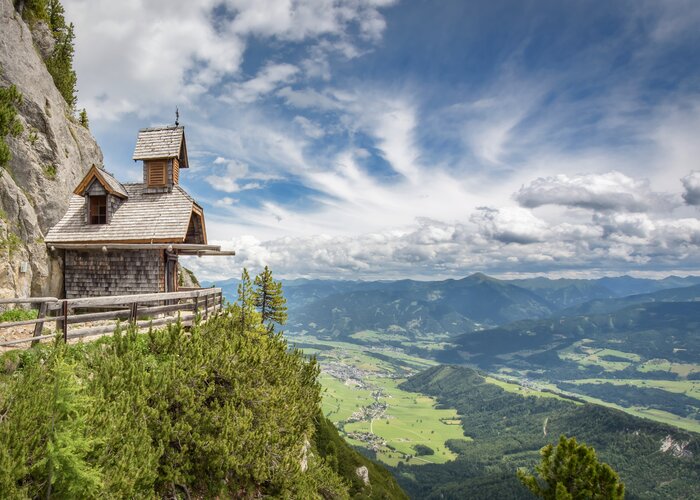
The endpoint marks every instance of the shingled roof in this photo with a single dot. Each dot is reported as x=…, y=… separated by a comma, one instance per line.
x=143, y=218
x=161, y=142
x=107, y=180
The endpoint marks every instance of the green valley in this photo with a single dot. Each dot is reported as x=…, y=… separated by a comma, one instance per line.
x=363, y=398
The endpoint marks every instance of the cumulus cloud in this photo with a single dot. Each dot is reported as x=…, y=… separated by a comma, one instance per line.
x=510, y=225
x=691, y=184
x=625, y=225
x=602, y=192
x=497, y=241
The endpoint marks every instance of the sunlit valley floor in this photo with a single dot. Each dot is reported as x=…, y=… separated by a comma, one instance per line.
x=542, y=355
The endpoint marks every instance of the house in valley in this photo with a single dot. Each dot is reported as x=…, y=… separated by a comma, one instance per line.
x=125, y=238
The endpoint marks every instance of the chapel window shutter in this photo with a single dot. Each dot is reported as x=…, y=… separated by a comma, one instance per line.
x=157, y=174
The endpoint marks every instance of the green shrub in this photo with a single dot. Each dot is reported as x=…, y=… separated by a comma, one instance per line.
x=10, y=99
x=220, y=410
x=17, y=315
x=50, y=171
x=33, y=136
x=11, y=243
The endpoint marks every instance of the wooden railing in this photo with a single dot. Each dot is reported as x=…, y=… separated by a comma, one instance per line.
x=99, y=315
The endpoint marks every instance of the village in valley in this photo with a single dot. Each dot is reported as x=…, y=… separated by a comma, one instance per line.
x=363, y=398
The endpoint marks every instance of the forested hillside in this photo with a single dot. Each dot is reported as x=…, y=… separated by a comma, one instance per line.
x=222, y=410
x=508, y=430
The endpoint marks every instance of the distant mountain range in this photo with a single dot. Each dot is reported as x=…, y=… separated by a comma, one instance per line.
x=334, y=308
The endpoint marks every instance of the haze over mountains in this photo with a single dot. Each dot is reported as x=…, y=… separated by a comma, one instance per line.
x=336, y=308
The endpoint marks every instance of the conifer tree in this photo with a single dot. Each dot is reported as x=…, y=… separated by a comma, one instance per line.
x=246, y=300
x=572, y=471
x=56, y=18
x=60, y=64
x=269, y=299
x=83, y=118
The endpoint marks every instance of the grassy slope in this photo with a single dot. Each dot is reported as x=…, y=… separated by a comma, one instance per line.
x=345, y=461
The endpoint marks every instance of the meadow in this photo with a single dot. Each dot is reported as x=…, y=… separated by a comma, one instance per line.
x=354, y=377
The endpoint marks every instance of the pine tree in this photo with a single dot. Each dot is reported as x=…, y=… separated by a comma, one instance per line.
x=572, y=471
x=246, y=300
x=60, y=64
x=269, y=299
x=56, y=18
x=83, y=118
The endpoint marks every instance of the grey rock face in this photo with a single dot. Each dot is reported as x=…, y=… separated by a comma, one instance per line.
x=49, y=159
x=43, y=39
x=363, y=474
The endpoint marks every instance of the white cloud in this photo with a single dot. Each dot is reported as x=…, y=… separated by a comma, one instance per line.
x=225, y=202
x=310, y=128
x=267, y=80
x=691, y=184
x=510, y=225
x=228, y=178
x=603, y=192
x=160, y=53
x=309, y=99
x=498, y=241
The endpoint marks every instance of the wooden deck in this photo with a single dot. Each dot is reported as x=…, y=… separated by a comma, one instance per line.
x=94, y=316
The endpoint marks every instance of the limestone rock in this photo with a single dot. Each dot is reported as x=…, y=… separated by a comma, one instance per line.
x=363, y=474
x=43, y=39
x=49, y=158
x=187, y=279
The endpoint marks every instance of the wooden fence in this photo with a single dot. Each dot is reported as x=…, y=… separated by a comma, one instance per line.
x=99, y=315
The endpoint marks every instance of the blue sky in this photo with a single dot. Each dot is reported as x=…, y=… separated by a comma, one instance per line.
x=384, y=139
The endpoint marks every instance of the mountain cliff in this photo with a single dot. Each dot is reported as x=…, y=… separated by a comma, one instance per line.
x=49, y=157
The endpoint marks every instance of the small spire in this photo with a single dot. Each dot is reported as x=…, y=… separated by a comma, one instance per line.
x=177, y=116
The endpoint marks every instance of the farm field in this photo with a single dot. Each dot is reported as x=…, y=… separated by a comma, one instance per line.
x=520, y=389
x=690, y=388
x=648, y=413
x=410, y=419
x=662, y=365
x=609, y=359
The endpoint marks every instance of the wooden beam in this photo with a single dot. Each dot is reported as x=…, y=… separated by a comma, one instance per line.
x=24, y=322
x=28, y=339
x=134, y=245
x=28, y=300
x=112, y=300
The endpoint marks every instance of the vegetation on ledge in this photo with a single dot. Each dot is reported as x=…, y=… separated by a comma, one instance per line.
x=60, y=62
x=223, y=409
x=10, y=98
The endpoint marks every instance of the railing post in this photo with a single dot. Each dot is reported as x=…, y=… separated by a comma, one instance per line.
x=40, y=326
x=65, y=320
x=196, y=304
x=133, y=313
x=206, y=306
